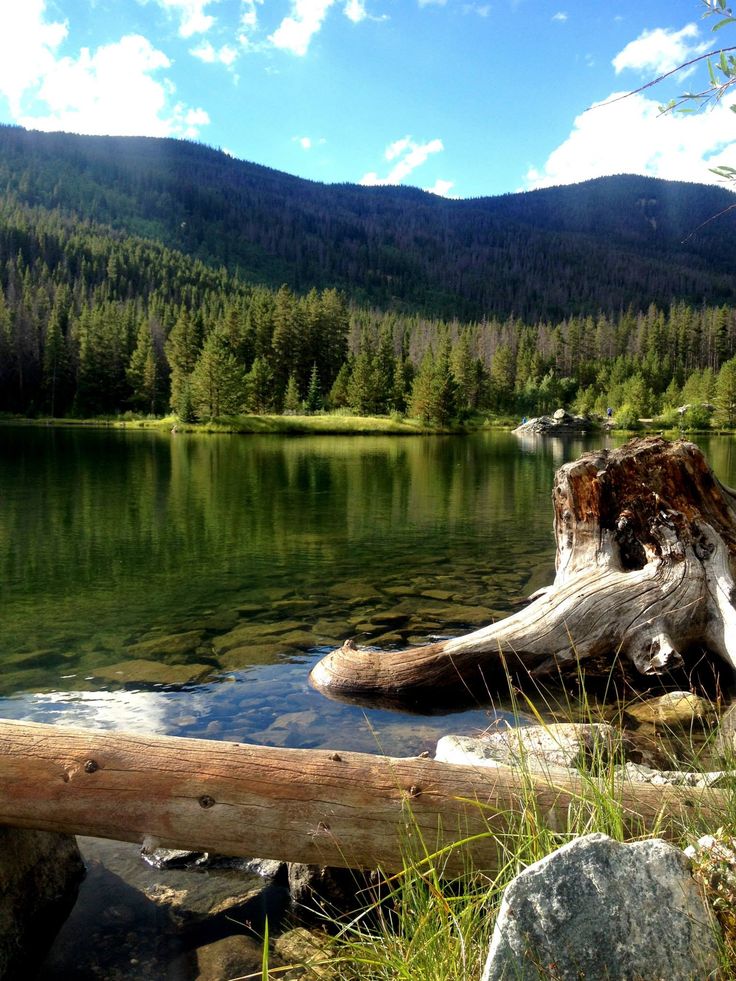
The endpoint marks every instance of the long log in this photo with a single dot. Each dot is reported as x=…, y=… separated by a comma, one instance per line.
x=343, y=809
x=646, y=553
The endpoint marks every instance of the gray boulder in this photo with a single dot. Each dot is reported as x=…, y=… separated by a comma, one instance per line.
x=598, y=909
x=559, y=744
x=39, y=878
x=561, y=423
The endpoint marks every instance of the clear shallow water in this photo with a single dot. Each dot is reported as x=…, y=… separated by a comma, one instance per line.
x=186, y=584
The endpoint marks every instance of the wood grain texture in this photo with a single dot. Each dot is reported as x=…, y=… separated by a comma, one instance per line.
x=351, y=810
x=646, y=551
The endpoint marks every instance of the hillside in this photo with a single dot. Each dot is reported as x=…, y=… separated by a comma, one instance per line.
x=603, y=245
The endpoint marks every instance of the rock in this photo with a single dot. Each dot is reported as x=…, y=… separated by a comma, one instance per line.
x=136, y=923
x=565, y=744
x=172, y=858
x=153, y=672
x=307, y=952
x=675, y=708
x=166, y=645
x=236, y=956
x=600, y=909
x=639, y=773
x=559, y=424
x=40, y=875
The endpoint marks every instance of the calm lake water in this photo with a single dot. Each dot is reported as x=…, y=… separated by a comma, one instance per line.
x=186, y=584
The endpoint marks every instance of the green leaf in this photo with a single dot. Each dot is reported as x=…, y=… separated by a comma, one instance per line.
x=722, y=23
x=713, y=79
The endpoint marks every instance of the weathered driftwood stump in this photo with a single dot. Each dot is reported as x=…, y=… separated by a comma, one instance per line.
x=646, y=557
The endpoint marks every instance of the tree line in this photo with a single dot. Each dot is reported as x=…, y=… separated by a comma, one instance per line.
x=94, y=323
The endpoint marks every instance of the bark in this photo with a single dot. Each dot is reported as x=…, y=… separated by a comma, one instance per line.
x=321, y=807
x=646, y=557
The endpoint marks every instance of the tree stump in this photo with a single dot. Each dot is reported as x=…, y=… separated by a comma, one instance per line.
x=646, y=558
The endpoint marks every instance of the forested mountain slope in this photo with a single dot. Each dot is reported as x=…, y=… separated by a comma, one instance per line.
x=605, y=245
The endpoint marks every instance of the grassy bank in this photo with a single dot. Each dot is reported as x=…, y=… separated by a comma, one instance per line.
x=338, y=424
x=425, y=927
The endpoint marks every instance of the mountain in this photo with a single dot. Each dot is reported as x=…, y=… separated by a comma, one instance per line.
x=605, y=244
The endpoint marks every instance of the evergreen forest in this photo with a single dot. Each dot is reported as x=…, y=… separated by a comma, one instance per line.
x=155, y=276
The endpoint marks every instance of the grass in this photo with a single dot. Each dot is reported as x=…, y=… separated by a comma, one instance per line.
x=433, y=928
x=326, y=424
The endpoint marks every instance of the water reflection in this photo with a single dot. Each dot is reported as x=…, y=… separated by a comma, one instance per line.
x=184, y=584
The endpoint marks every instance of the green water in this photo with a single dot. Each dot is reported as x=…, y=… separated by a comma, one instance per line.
x=186, y=584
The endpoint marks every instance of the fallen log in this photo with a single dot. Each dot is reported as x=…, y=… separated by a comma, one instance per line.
x=646, y=555
x=348, y=810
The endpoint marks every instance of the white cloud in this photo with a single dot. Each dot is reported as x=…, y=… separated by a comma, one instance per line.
x=191, y=14
x=355, y=11
x=304, y=142
x=632, y=136
x=249, y=16
x=410, y=156
x=110, y=92
x=295, y=32
x=226, y=55
x=560, y=16
x=28, y=46
x=441, y=188
x=659, y=51
x=432, y=3
x=398, y=147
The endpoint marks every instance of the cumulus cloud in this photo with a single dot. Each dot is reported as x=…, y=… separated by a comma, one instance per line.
x=659, y=51
x=305, y=142
x=115, y=89
x=408, y=156
x=191, y=14
x=112, y=91
x=441, y=188
x=28, y=46
x=355, y=11
x=295, y=32
x=632, y=136
x=560, y=16
x=226, y=55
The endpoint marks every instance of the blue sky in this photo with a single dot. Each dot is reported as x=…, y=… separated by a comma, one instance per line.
x=463, y=97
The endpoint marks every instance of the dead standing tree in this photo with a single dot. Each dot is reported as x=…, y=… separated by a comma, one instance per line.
x=646, y=558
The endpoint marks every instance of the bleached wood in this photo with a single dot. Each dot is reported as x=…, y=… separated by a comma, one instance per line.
x=318, y=806
x=646, y=547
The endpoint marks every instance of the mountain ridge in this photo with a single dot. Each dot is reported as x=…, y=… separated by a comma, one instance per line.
x=605, y=244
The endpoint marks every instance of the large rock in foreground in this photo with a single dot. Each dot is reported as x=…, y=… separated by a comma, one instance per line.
x=600, y=909
x=39, y=878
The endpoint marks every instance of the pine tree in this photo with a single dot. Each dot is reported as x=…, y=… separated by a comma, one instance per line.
x=292, y=402
x=217, y=381
x=339, y=397
x=259, y=387
x=725, y=395
x=182, y=351
x=314, y=394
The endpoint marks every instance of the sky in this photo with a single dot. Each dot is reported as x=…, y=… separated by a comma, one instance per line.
x=464, y=98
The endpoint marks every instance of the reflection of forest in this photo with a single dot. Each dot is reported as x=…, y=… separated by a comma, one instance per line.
x=83, y=504
x=105, y=535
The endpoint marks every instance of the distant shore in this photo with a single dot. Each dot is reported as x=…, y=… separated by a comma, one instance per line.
x=325, y=425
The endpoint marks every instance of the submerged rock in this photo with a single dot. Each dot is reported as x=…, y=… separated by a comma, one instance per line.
x=597, y=908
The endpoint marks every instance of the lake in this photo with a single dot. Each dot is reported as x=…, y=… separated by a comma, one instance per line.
x=185, y=584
